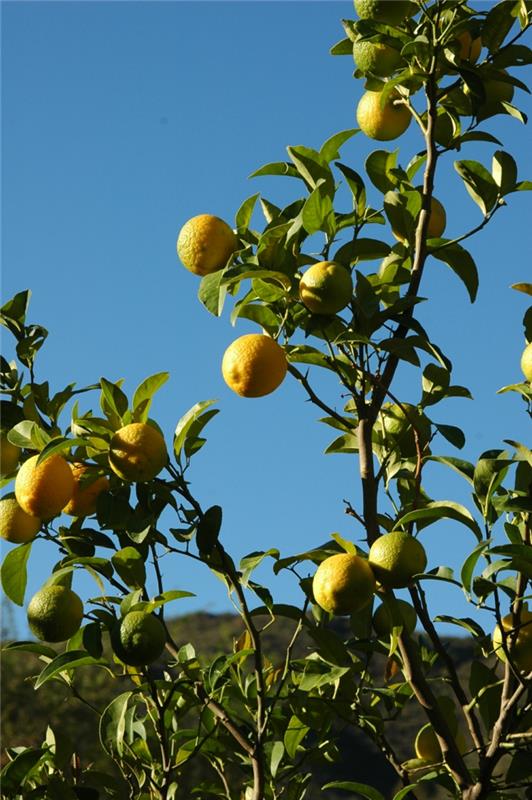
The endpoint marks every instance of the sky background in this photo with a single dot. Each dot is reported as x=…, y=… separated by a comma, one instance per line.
x=120, y=121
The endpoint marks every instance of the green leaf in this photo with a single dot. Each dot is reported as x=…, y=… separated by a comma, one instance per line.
x=59, y=445
x=463, y=622
x=31, y=647
x=479, y=136
x=113, y=399
x=166, y=597
x=13, y=775
x=452, y=433
x=330, y=149
x=252, y=561
x=360, y=789
x=497, y=25
x=318, y=214
x=144, y=394
x=276, y=168
x=468, y=567
x=194, y=441
x=357, y=186
x=442, y=510
x=362, y=250
x=311, y=166
x=129, y=565
x=71, y=659
x=459, y=260
x=276, y=757
x=212, y=292
x=14, y=573
x=479, y=183
x=185, y=424
x=504, y=171
x=342, y=48
x=304, y=354
x=294, y=735
x=245, y=212
x=28, y=435
x=16, y=308
x=405, y=791
x=113, y=724
x=435, y=383
x=463, y=468
x=209, y=529
x=379, y=167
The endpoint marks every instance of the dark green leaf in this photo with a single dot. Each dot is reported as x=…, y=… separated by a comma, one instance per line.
x=317, y=214
x=463, y=622
x=276, y=168
x=129, y=565
x=379, y=166
x=357, y=186
x=452, y=433
x=469, y=565
x=342, y=48
x=464, y=468
x=212, y=292
x=14, y=574
x=504, y=171
x=311, y=166
x=112, y=724
x=71, y=659
x=479, y=183
x=209, y=529
x=362, y=250
x=460, y=261
x=13, y=775
x=294, y=735
x=113, y=399
x=360, y=789
x=443, y=510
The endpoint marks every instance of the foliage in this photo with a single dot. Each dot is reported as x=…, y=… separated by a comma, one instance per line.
x=267, y=724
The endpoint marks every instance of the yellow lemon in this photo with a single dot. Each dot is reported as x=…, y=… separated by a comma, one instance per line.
x=395, y=558
x=382, y=121
x=205, y=244
x=15, y=525
x=44, y=490
x=87, y=489
x=526, y=362
x=254, y=365
x=326, y=287
x=521, y=649
x=343, y=583
x=137, y=452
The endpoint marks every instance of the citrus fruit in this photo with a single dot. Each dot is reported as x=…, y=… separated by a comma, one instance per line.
x=382, y=122
x=326, y=287
x=391, y=613
x=9, y=456
x=436, y=224
x=395, y=558
x=254, y=365
x=15, y=525
x=55, y=613
x=44, y=490
x=137, y=452
x=469, y=48
x=526, y=362
x=398, y=423
x=521, y=649
x=376, y=57
x=343, y=583
x=87, y=489
x=205, y=243
x=390, y=11
x=139, y=638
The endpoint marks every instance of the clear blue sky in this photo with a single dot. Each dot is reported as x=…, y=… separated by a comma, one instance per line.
x=122, y=120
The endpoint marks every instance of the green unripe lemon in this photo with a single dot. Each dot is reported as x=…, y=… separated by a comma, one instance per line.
x=376, y=57
x=138, y=639
x=395, y=558
x=326, y=288
x=55, y=613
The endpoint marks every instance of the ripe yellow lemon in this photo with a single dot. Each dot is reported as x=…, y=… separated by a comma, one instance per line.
x=343, y=583
x=526, y=362
x=15, y=525
x=398, y=423
x=87, y=489
x=469, y=48
x=326, y=287
x=376, y=57
x=254, y=365
x=44, y=490
x=390, y=11
x=382, y=121
x=55, y=613
x=9, y=456
x=139, y=638
x=137, y=452
x=395, y=558
x=393, y=612
x=521, y=650
x=205, y=243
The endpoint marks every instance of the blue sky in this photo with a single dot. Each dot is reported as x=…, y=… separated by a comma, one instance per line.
x=122, y=120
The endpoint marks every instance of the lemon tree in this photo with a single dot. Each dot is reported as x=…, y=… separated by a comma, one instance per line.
x=99, y=483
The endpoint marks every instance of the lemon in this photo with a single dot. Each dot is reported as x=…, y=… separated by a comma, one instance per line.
x=254, y=365
x=55, y=613
x=391, y=613
x=205, y=244
x=139, y=638
x=390, y=11
x=526, y=362
x=326, y=287
x=15, y=525
x=395, y=558
x=382, y=121
x=44, y=490
x=137, y=452
x=9, y=456
x=521, y=649
x=87, y=489
x=398, y=423
x=343, y=583
x=377, y=58
x=436, y=223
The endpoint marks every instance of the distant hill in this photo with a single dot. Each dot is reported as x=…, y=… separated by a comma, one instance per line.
x=26, y=713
